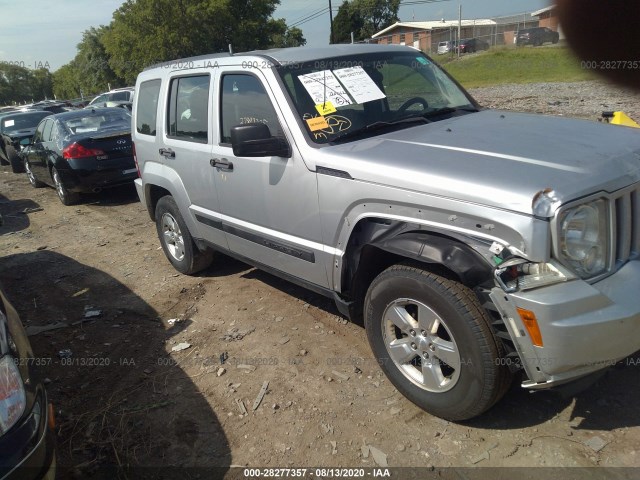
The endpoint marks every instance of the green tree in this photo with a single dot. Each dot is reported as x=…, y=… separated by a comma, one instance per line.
x=376, y=15
x=347, y=20
x=286, y=37
x=92, y=63
x=144, y=32
x=41, y=84
x=22, y=85
x=66, y=82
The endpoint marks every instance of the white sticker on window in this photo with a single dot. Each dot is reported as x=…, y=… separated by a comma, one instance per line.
x=324, y=87
x=359, y=84
x=9, y=123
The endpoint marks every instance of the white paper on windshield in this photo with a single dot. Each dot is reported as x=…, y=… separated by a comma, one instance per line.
x=9, y=123
x=324, y=87
x=359, y=84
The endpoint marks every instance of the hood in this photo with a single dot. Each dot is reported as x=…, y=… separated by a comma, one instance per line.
x=496, y=158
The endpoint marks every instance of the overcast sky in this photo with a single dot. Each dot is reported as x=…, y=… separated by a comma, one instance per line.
x=38, y=33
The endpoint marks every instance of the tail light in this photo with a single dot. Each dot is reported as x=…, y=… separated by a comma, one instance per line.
x=135, y=158
x=75, y=150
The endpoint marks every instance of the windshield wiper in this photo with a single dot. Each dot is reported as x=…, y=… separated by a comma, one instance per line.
x=380, y=126
x=445, y=110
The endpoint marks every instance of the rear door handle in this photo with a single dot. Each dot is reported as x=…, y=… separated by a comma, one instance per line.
x=221, y=163
x=167, y=153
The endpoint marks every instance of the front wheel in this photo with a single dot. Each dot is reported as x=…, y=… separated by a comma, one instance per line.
x=433, y=341
x=176, y=241
x=35, y=183
x=14, y=160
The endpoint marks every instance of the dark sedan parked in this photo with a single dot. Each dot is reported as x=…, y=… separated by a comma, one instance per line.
x=27, y=447
x=16, y=129
x=536, y=36
x=81, y=151
x=471, y=45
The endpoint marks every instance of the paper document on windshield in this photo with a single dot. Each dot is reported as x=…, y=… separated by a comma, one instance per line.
x=359, y=84
x=324, y=87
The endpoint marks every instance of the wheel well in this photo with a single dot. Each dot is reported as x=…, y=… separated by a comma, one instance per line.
x=376, y=244
x=153, y=195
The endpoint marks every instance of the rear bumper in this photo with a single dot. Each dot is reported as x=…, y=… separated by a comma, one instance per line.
x=82, y=177
x=585, y=328
x=28, y=450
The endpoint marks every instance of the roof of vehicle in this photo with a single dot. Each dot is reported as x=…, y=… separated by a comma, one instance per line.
x=297, y=54
x=85, y=112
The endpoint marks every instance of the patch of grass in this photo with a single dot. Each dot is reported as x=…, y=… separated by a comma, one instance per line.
x=516, y=65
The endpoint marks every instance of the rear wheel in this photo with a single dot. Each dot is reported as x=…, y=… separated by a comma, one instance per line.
x=433, y=341
x=65, y=196
x=14, y=159
x=176, y=241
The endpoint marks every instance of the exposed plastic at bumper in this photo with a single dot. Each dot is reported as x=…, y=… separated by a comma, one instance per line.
x=585, y=328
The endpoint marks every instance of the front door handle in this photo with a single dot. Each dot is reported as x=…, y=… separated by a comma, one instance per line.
x=221, y=163
x=167, y=152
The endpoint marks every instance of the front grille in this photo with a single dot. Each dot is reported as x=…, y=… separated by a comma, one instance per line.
x=626, y=212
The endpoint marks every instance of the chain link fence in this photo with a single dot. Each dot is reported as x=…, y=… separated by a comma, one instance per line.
x=497, y=31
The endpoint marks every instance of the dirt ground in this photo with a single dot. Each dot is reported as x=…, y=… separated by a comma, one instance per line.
x=124, y=397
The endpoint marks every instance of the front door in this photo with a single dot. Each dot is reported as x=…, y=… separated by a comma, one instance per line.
x=269, y=204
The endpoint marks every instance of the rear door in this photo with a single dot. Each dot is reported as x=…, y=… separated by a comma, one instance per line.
x=188, y=137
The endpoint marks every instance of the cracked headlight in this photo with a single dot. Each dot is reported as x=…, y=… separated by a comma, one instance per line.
x=12, y=394
x=584, y=238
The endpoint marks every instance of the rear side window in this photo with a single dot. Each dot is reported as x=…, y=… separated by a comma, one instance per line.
x=187, y=118
x=120, y=96
x=147, y=111
x=46, y=136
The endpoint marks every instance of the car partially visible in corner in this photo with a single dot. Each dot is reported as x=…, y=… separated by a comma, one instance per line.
x=15, y=130
x=27, y=445
x=81, y=151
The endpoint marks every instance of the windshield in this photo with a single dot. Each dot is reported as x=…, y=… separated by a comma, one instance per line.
x=22, y=121
x=339, y=96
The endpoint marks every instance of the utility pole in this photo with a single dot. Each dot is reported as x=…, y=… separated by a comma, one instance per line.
x=331, y=20
x=459, y=27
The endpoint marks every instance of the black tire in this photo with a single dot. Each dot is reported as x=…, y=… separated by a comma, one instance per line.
x=65, y=196
x=35, y=183
x=176, y=241
x=14, y=159
x=453, y=325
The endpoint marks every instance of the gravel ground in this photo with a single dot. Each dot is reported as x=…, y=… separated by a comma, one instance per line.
x=577, y=99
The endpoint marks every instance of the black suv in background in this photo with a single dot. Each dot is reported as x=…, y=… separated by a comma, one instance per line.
x=536, y=36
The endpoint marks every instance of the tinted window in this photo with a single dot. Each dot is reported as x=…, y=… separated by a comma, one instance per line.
x=147, y=111
x=46, y=135
x=244, y=100
x=120, y=96
x=115, y=119
x=188, y=108
x=37, y=137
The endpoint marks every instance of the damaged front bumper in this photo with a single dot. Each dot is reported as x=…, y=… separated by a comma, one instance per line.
x=584, y=328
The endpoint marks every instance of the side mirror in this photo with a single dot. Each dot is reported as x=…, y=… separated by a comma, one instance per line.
x=255, y=140
x=26, y=141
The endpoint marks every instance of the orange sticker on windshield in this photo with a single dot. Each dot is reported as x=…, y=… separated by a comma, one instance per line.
x=325, y=108
x=317, y=123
